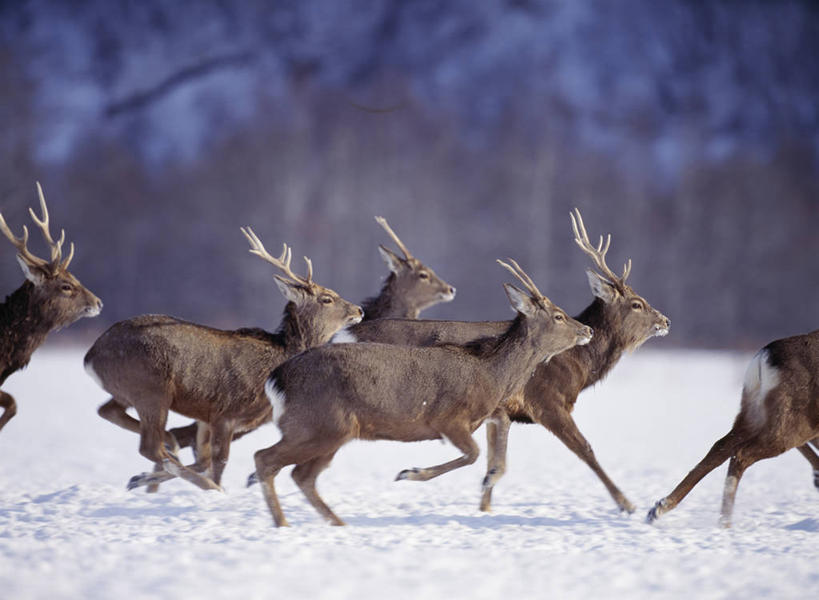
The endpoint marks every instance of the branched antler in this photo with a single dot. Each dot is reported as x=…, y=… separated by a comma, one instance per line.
x=516, y=270
x=598, y=254
x=283, y=262
x=43, y=224
x=383, y=222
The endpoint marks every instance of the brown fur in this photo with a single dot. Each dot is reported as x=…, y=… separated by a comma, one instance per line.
x=790, y=419
x=157, y=363
x=336, y=393
x=51, y=298
x=549, y=396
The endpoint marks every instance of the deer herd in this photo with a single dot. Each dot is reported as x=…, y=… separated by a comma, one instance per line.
x=334, y=372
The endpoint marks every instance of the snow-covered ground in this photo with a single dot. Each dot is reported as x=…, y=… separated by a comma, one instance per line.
x=69, y=529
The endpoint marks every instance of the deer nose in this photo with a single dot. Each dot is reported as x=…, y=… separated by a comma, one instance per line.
x=451, y=291
x=587, y=332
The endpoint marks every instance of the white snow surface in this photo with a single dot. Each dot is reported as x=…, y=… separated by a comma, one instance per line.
x=69, y=528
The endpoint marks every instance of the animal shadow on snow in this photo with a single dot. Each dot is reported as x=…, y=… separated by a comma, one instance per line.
x=484, y=521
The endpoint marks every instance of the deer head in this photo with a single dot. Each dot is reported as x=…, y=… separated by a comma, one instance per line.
x=317, y=309
x=636, y=319
x=560, y=331
x=60, y=297
x=416, y=283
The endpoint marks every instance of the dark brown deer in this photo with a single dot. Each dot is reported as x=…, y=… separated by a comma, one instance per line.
x=779, y=410
x=330, y=395
x=410, y=288
x=157, y=363
x=622, y=321
x=51, y=298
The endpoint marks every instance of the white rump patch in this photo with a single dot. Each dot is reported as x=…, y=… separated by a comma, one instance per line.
x=276, y=397
x=89, y=368
x=760, y=378
x=343, y=336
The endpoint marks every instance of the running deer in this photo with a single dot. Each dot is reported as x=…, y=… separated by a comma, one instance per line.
x=330, y=395
x=51, y=298
x=410, y=288
x=622, y=321
x=157, y=363
x=779, y=410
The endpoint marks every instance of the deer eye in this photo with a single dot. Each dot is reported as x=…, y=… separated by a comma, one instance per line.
x=637, y=305
x=423, y=275
x=558, y=317
x=326, y=300
x=66, y=287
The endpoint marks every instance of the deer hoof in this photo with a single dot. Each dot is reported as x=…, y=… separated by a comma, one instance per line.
x=816, y=478
x=252, y=479
x=407, y=474
x=658, y=509
x=137, y=481
x=626, y=507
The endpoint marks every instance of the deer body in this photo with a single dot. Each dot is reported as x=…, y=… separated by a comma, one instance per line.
x=622, y=321
x=327, y=396
x=157, y=363
x=410, y=288
x=49, y=299
x=779, y=410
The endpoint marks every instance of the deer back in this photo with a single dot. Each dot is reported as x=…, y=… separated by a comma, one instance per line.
x=403, y=392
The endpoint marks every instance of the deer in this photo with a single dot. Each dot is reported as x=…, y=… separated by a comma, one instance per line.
x=329, y=395
x=159, y=363
x=410, y=288
x=622, y=321
x=49, y=299
x=779, y=410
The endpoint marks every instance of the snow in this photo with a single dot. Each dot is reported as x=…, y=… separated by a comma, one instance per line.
x=69, y=529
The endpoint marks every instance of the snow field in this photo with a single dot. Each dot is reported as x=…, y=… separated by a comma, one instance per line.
x=69, y=529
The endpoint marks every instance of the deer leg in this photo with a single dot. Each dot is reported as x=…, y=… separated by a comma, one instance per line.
x=718, y=454
x=115, y=413
x=736, y=467
x=497, y=436
x=151, y=447
x=269, y=462
x=186, y=436
x=563, y=426
x=221, y=436
x=462, y=440
x=809, y=453
x=9, y=407
x=305, y=475
x=198, y=465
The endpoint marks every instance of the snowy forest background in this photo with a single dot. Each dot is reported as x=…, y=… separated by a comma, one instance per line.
x=687, y=129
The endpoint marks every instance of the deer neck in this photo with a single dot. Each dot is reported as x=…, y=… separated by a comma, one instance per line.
x=388, y=304
x=607, y=345
x=23, y=326
x=514, y=357
x=296, y=333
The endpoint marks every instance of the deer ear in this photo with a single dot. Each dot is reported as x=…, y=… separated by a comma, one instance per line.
x=291, y=291
x=394, y=262
x=34, y=274
x=602, y=288
x=520, y=300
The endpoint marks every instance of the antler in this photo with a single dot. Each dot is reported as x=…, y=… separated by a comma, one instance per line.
x=598, y=255
x=383, y=222
x=283, y=262
x=518, y=272
x=43, y=224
